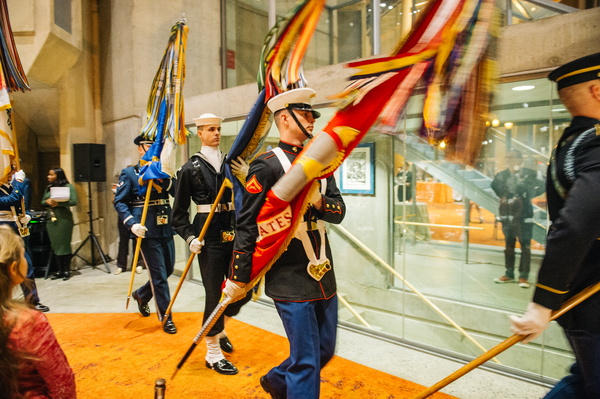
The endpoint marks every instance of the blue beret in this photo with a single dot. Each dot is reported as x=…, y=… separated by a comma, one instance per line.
x=579, y=71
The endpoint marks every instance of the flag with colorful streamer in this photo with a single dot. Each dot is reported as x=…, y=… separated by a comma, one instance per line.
x=12, y=78
x=449, y=50
x=166, y=125
x=280, y=69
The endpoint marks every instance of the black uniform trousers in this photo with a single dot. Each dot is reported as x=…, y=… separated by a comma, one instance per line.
x=124, y=241
x=159, y=254
x=523, y=232
x=214, y=261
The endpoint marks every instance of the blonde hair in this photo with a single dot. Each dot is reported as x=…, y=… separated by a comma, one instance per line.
x=11, y=247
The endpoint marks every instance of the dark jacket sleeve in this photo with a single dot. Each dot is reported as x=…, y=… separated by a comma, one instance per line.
x=246, y=231
x=499, y=184
x=181, y=216
x=123, y=199
x=14, y=198
x=334, y=208
x=574, y=230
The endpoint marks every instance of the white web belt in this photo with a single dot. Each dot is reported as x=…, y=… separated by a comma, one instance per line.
x=316, y=267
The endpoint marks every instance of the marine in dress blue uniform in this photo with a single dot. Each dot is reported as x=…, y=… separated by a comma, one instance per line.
x=306, y=306
x=572, y=260
x=157, y=247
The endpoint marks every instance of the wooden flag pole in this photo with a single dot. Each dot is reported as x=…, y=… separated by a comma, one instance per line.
x=510, y=341
x=138, y=244
x=226, y=184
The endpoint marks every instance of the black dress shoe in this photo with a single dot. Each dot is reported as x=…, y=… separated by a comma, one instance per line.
x=66, y=276
x=169, y=327
x=266, y=385
x=42, y=308
x=223, y=366
x=57, y=276
x=226, y=345
x=142, y=306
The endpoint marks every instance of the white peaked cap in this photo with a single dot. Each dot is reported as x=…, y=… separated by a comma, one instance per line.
x=208, y=119
x=303, y=95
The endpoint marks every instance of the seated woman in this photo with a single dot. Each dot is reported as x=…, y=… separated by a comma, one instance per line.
x=59, y=221
x=32, y=364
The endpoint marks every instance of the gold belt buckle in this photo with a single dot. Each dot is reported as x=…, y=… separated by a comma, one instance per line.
x=227, y=235
x=317, y=269
x=24, y=231
x=162, y=220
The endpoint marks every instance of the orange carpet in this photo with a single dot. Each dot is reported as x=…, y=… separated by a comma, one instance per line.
x=121, y=355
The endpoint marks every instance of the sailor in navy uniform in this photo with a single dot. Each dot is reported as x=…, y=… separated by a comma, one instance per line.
x=157, y=249
x=200, y=180
x=307, y=306
x=572, y=260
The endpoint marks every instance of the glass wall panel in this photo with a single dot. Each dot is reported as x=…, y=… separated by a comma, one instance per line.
x=438, y=225
x=247, y=25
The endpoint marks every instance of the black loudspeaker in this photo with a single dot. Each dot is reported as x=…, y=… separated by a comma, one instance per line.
x=89, y=162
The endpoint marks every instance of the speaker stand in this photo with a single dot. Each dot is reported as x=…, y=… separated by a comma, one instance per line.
x=92, y=237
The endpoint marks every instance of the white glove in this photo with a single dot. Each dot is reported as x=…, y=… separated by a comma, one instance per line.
x=240, y=168
x=234, y=291
x=533, y=323
x=24, y=219
x=20, y=176
x=196, y=246
x=139, y=230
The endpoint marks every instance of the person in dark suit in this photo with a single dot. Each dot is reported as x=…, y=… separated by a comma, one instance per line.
x=516, y=186
x=306, y=304
x=199, y=180
x=157, y=248
x=572, y=255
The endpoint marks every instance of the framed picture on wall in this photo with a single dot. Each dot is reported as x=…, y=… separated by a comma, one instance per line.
x=357, y=173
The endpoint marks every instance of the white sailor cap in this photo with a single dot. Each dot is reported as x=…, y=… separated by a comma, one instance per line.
x=300, y=99
x=208, y=119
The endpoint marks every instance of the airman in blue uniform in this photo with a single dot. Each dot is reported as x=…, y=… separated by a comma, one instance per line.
x=157, y=248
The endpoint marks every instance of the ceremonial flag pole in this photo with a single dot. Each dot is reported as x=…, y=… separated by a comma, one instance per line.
x=12, y=78
x=507, y=343
x=226, y=184
x=165, y=124
x=138, y=244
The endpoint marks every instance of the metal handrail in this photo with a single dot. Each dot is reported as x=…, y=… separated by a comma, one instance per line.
x=410, y=286
x=449, y=226
x=354, y=312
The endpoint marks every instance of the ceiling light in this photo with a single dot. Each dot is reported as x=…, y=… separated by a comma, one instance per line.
x=442, y=144
x=559, y=109
x=508, y=125
x=532, y=8
x=382, y=4
x=525, y=105
x=390, y=7
x=495, y=123
x=523, y=88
